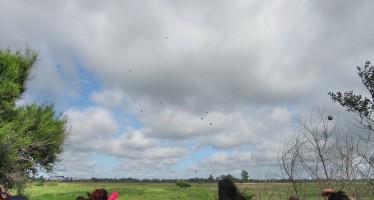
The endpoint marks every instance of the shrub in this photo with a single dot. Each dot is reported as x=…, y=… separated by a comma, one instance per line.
x=183, y=183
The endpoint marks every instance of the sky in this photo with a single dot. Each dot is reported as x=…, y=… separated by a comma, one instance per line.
x=183, y=89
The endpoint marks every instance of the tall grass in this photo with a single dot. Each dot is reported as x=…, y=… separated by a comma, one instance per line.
x=128, y=191
x=166, y=191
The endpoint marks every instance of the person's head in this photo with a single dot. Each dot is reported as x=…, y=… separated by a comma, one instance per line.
x=339, y=195
x=227, y=190
x=99, y=194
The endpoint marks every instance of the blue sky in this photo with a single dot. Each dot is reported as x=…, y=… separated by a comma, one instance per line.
x=248, y=68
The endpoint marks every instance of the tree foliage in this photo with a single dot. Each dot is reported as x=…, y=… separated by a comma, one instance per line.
x=31, y=136
x=245, y=176
x=363, y=107
x=356, y=103
x=182, y=183
x=344, y=151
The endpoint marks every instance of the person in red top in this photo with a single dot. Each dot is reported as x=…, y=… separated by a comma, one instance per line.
x=102, y=194
x=98, y=194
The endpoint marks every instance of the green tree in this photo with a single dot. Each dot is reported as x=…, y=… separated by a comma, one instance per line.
x=31, y=136
x=211, y=179
x=182, y=183
x=244, y=176
x=363, y=108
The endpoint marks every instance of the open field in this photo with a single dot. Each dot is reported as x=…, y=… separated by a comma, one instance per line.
x=164, y=191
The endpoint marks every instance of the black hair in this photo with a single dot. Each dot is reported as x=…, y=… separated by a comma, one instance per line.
x=339, y=195
x=228, y=191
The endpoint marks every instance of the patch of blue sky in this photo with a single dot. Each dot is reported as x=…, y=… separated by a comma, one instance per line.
x=128, y=125
x=195, y=157
x=202, y=153
x=134, y=123
x=105, y=162
x=88, y=82
x=126, y=122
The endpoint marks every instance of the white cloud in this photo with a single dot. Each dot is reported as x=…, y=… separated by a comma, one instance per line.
x=90, y=127
x=135, y=140
x=109, y=98
x=253, y=65
x=223, y=163
x=174, y=122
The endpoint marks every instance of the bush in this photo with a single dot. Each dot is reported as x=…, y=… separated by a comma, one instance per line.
x=183, y=183
x=39, y=183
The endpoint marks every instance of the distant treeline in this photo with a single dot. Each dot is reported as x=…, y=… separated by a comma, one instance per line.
x=156, y=180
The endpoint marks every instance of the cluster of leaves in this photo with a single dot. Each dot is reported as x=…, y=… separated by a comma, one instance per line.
x=183, y=183
x=363, y=106
x=325, y=152
x=31, y=135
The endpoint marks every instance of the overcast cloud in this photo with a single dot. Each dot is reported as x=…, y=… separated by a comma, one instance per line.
x=164, y=89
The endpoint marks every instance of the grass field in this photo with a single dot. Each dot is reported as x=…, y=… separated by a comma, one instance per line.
x=164, y=191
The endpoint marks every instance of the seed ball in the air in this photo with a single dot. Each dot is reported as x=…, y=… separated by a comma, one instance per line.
x=330, y=117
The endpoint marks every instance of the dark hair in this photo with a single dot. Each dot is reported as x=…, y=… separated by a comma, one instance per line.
x=293, y=198
x=98, y=194
x=17, y=197
x=80, y=198
x=228, y=191
x=339, y=195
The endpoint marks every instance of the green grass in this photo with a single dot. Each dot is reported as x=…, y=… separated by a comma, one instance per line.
x=166, y=191
x=128, y=191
